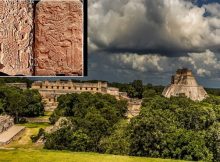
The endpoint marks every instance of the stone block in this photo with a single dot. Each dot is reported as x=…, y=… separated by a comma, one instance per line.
x=16, y=37
x=59, y=37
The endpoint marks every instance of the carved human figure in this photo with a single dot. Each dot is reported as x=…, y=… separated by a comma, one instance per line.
x=59, y=36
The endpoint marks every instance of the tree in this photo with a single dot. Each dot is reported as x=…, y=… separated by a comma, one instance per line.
x=92, y=117
x=131, y=91
x=118, y=141
x=172, y=128
x=20, y=103
x=16, y=103
x=138, y=86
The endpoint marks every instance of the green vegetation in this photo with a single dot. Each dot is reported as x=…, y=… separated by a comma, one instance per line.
x=30, y=155
x=20, y=103
x=136, y=88
x=175, y=128
x=91, y=116
x=25, y=141
x=16, y=80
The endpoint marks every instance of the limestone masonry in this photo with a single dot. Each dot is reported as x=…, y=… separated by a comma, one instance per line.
x=50, y=91
x=5, y=122
x=183, y=83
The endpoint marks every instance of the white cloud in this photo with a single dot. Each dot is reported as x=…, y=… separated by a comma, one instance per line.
x=205, y=63
x=142, y=63
x=150, y=39
x=155, y=25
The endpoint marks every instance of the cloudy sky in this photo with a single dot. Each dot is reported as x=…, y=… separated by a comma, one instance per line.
x=150, y=39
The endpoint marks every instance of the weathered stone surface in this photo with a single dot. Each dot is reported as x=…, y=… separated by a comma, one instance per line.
x=11, y=134
x=58, y=37
x=5, y=123
x=184, y=84
x=16, y=37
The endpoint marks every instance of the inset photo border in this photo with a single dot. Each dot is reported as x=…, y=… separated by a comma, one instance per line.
x=43, y=38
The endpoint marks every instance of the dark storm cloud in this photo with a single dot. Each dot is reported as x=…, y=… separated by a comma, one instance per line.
x=168, y=27
x=150, y=39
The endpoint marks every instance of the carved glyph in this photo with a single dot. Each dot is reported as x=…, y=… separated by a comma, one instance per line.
x=58, y=37
x=16, y=37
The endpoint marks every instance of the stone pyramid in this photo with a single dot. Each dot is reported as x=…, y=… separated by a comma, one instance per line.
x=183, y=83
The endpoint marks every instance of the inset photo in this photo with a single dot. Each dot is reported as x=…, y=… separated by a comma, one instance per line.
x=42, y=38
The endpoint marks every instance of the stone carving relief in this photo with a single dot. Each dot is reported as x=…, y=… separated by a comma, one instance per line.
x=16, y=37
x=58, y=37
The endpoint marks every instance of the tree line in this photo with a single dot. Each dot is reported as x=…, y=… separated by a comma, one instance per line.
x=20, y=103
x=175, y=128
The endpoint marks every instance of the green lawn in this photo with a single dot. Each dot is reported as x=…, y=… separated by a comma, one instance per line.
x=30, y=155
x=35, y=125
x=23, y=150
x=48, y=113
x=25, y=141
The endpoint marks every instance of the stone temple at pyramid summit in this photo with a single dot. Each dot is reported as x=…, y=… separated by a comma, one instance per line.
x=183, y=83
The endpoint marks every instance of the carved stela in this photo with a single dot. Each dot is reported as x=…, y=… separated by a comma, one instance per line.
x=16, y=37
x=58, y=37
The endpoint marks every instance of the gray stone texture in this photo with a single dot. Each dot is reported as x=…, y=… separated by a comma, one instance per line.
x=183, y=83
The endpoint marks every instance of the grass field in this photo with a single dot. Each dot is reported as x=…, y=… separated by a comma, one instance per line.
x=23, y=150
x=25, y=141
x=30, y=155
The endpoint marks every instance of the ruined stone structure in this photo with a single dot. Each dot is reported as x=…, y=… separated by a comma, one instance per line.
x=18, y=85
x=58, y=34
x=50, y=91
x=5, y=123
x=16, y=37
x=134, y=106
x=8, y=130
x=183, y=83
x=45, y=39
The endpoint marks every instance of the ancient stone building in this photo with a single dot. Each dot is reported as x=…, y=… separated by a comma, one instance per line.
x=5, y=123
x=134, y=106
x=9, y=131
x=18, y=85
x=183, y=83
x=50, y=91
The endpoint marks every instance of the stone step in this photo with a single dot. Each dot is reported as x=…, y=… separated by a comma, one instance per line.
x=11, y=134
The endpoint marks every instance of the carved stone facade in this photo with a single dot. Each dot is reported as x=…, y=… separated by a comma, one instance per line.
x=50, y=91
x=134, y=107
x=45, y=39
x=58, y=37
x=16, y=37
x=184, y=84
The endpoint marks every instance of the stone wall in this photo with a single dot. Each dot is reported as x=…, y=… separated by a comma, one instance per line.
x=134, y=107
x=5, y=123
x=185, y=84
x=16, y=37
x=50, y=91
